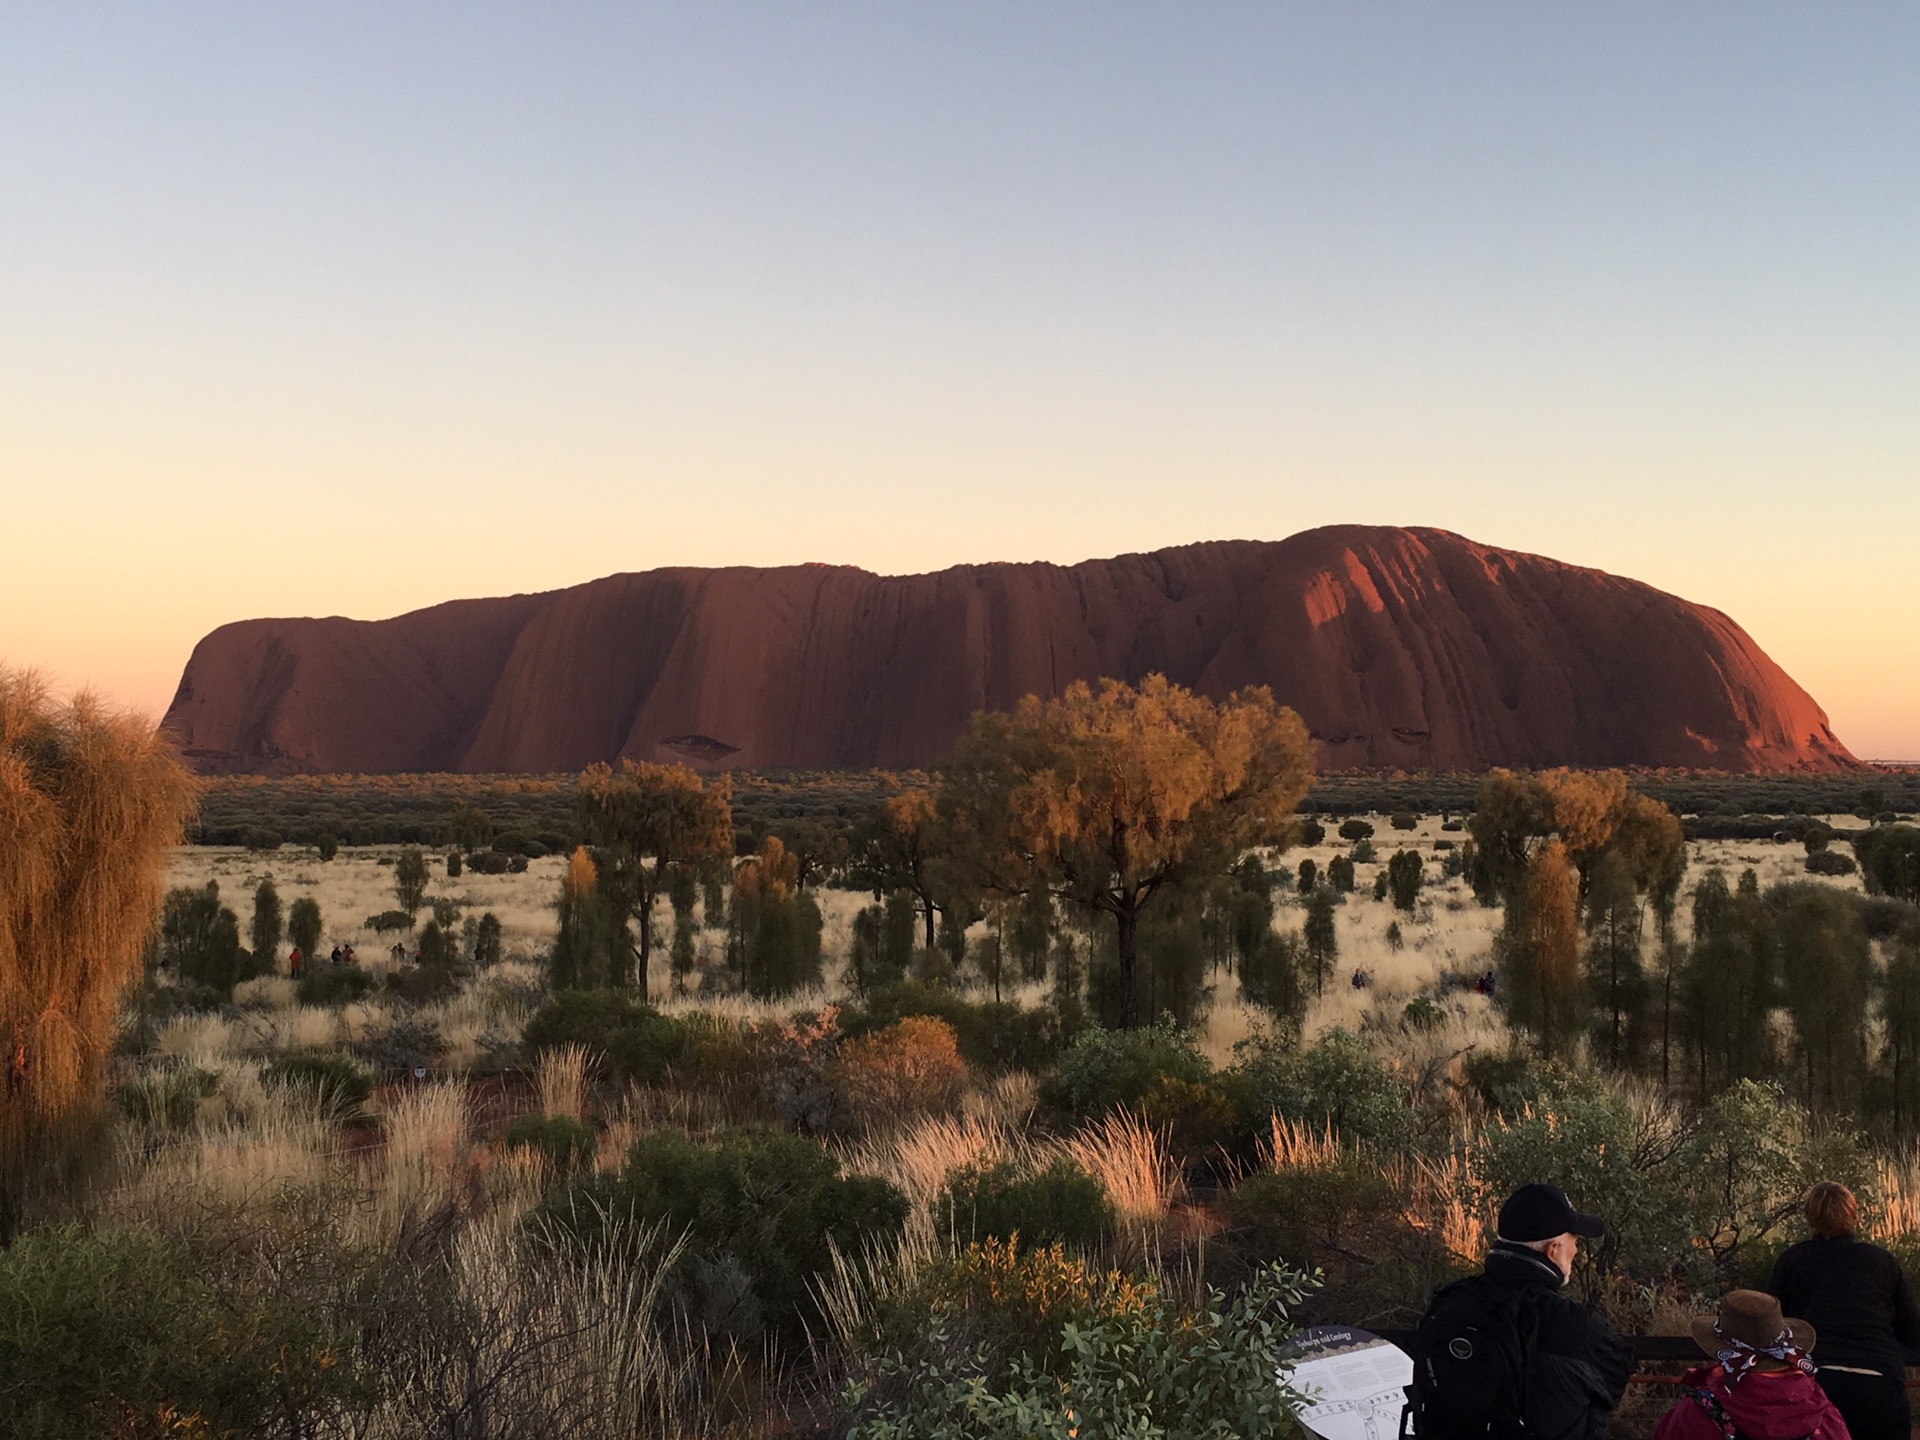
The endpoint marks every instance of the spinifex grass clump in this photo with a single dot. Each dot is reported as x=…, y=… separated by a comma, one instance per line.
x=89, y=802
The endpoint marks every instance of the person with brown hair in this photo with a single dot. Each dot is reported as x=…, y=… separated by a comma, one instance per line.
x=1760, y=1385
x=1857, y=1297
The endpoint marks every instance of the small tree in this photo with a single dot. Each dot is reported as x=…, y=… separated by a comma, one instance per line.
x=486, y=941
x=1404, y=877
x=1322, y=938
x=267, y=925
x=410, y=880
x=683, y=893
x=303, y=926
x=1541, y=949
x=585, y=946
x=1615, y=978
x=1308, y=877
x=775, y=940
x=200, y=937
x=453, y=865
x=328, y=846
x=1340, y=874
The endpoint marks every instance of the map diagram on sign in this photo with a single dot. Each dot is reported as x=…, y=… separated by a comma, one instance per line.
x=1354, y=1382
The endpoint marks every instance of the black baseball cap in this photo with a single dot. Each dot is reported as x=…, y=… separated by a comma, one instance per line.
x=1540, y=1212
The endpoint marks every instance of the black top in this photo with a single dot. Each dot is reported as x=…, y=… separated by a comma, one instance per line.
x=1580, y=1366
x=1857, y=1299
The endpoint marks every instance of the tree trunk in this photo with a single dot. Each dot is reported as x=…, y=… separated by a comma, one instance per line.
x=1126, y=922
x=926, y=902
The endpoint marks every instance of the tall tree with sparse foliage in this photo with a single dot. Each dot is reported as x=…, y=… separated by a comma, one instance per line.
x=410, y=880
x=268, y=925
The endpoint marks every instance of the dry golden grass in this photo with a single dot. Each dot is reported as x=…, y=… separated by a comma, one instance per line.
x=1131, y=1160
x=426, y=1146
x=561, y=1081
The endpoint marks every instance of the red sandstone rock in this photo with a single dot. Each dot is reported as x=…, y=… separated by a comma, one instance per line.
x=1403, y=648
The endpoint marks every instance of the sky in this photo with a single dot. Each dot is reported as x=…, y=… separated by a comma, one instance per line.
x=350, y=308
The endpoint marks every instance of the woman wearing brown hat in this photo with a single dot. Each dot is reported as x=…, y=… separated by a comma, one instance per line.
x=1858, y=1297
x=1760, y=1385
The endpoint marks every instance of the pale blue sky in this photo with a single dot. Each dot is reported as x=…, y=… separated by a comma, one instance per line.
x=350, y=308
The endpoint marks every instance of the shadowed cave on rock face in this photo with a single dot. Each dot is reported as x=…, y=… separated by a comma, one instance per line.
x=1399, y=647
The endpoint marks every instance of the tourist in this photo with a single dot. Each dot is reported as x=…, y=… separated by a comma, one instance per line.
x=336, y=955
x=296, y=962
x=1760, y=1384
x=1573, y=1368
x=1857, y=1298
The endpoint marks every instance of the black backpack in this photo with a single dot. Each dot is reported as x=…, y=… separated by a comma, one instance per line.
x=1471, y=1356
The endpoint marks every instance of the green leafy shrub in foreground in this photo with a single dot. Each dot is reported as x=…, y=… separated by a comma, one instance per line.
x=1106, y=1070
x=1151, y=1367
x=116, y=1331
x=761, y=1211
x=1061, y=1204
x=334, y=1082
x=632, y=1039
x=167, y=1098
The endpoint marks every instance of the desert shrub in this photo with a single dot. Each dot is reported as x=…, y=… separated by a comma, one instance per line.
x=1890, y=860
x=489, y=862
x=1334, y=1083
x=1107, y=1070
x=387, y=921
x=1304, y=1214
x=762, y=1213
x=1310, y=832
x=303, y=925
x=486, y=941
x=1452, y=827
x=516, y=864
x=328, y=845
x=1403, y=876
x=1139, y=1364
x=325, y=984
x=1829, y=862
x=446, y=911
x=166, y=1099
x=992, y=1037
x=453, y=864
x=633, y=1040
x=1380, y=883
x=410, y=876
x=406, y=1045
x=200, y=938
x=1355, y=830
x=1199, y=1118
x=1061, y=1204
x=1275, y=976
x=260, y=840
x=910, y=1067
x=437, y=950
x=1308, y=876
x=422, y=984
x=1403, y=821
x=334, y=1082
x=1816, y=837
x=116, y=1331
x=1340, y=874
x=567, y=1144
x=1363, y=852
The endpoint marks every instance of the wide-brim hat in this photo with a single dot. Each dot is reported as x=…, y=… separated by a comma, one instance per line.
x=1750, y=1316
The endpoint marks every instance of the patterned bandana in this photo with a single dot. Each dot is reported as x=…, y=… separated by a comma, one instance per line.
x=1737, y=1357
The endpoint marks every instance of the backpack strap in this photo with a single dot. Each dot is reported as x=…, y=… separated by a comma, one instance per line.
x=1716, y=1412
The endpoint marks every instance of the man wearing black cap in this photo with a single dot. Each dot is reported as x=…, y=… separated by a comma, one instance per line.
x=1505, y=1353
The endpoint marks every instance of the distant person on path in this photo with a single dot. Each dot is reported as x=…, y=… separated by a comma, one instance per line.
x=346, y=953
x=296, y=962
x=1857, y=1298
x=336, y=954
x=1504, y=1354
x=1760, y=1385
x=398, y=953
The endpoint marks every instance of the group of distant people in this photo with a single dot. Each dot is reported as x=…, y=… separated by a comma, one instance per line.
x=1819, y=1355
x=297, y=962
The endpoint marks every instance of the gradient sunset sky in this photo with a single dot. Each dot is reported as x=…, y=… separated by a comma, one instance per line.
x=352, y=308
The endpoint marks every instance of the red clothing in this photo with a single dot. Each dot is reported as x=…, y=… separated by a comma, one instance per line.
x=1763, y=1405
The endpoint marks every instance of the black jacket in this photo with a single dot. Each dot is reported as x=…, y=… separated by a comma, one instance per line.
x=1580, y=1366
x=1857, y=1299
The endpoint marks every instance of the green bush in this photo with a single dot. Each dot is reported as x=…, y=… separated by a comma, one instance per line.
x=1404, y=875
x=114, y=1331
x=1147, y=1366
x=1829, y=862
x=1363, y=852
x=1334, y=1083
x=387, y=921
x=1404, y=821
x=422, y=984
x=1355, y=830
x=762, y=1213
x=1310, y=832
x=1060, y=1204
x=168, y=1098
x=453, y=865
x=568, y=1145
x=488, y=862
x=633, y=1040
x=335, y=1083
x=200, y=938
x=1304, y=1214
x=995, y=1038
x=328, y=845
x=1105, y=1070
x=326, y=984
x=1340, y=874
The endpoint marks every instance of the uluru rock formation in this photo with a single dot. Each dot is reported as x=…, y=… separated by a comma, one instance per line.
x=1409, y=648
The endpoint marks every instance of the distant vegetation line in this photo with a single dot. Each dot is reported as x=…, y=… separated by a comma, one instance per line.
x=540, y=811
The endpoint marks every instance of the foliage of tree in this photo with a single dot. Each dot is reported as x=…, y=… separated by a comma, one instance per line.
x=1539, y=950
x=1104, y=798
x=1900, y=1012
x=1405, y=874
x=903, y=847
x=1826, y=967
x=773, y=942
x=410, y=879
x=1616, y=980
x=644, y=812
x=1340, y=874
x=1889, y=858
x=486, y=941
x=268, y=925
x=1322, y=937
x=304, y=926
x=200, y=938
x=587, y=946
